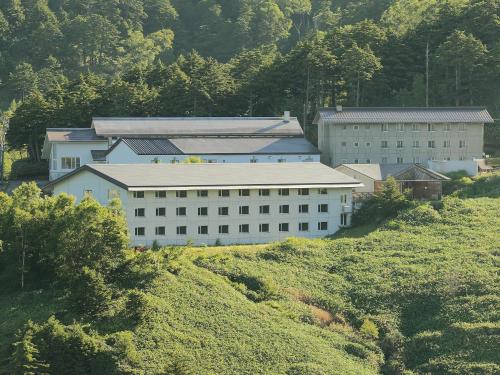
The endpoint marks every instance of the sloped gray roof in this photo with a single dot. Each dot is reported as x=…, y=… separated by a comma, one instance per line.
x=180, y=126
x=220, y=146
x=405, y=115
x=138, y=176
x=72, y=135
x=99, y=155
x=152, y=146
x=380, y=172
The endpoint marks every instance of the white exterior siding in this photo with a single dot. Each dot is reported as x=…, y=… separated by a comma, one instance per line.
x=80, y=150
x=369, y=183
x=360, y=143
x=78, y=184
x=122, y=154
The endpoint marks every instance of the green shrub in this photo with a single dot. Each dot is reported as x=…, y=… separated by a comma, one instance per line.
x=424, y=214
x=90, y=293
x=369, y=329
x=23, y=169
x=306, y=369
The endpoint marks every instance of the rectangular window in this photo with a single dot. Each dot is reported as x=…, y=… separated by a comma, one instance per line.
x=70, y=163
x=88, y=192
x=368, y=144
x=446, y=144
x=160, y=231
x=223, y=229
x=202, y=193
x=416, y=159
x=140, y=231
x=223, y=211
x=254, y=160
x=322, y=208
x=244, y=228
x=431, y=127
x=224, y=193
x=343, y=220
x=399, y=160
x=140, y=212
x=414, y=127
x=385, y=127
x=416, y=144
x=461, y=127
x=281, y=160
x=323, y=225
x=323, y=191
x=356, y=161
x=181, y=211
x=264, y=192
x=138, y=194
x=303, y=227
x=264, y=228
x=161, y=211
x=203, y=229
x=160, y=194
x=303, y=191
x=264, y=210
x=401, y=127
x=244, y=192
x=343, y=144
x=181, y=231
x=343, y=198
x=284, y=227
x=431, y=144
x=400, y=144
x=367, y=126
x=356, y=127
x=461, y=144
x=447, y=127
x=284, y=192
x=202, y=211
x=284, y=209
x=356, y=144
x=384, y=160
x=304, y=208
x=384, y=144
x=368, y=161
x=181, y=194
x=244, y=210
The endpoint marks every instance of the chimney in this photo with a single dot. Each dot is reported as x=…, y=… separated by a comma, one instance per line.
x=339, y=108
x=286, y=116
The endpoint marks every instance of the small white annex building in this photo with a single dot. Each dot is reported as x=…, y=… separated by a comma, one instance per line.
x=171, y=140
x=238, y=203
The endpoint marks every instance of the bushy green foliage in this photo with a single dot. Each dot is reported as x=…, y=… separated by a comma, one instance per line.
x=369, y=329
x=89, y=293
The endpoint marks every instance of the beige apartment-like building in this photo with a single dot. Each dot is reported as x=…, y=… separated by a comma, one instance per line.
x=240, y=203
x=400, y=135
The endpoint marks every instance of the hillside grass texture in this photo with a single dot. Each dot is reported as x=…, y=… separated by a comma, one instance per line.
x=427, y=279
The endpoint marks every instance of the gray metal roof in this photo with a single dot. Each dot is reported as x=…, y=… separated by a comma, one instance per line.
x=172, y=126
x=152, y=146
x=380, y=172
x=182, y=175
x=404, y=115
x=221, y=146
x=72, y=135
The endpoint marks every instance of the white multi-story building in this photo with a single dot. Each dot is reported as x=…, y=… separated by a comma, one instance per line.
x=176, y=204
x=171, y=140
x=400, y=135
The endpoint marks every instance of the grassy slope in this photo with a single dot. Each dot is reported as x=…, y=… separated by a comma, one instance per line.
x=431, y=277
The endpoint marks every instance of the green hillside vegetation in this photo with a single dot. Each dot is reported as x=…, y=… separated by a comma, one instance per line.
x=419, y=294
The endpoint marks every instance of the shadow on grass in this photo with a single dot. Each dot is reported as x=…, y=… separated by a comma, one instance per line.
x=355, y=232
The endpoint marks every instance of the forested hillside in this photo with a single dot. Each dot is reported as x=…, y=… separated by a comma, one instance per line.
x=417, y=295
x=63, y=61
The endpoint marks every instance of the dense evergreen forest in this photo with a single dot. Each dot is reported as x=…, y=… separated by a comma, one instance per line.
x=63, y=61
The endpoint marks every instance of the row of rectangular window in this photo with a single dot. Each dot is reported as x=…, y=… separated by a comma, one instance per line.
x=243, y=228
x=243, y=210
x=227, y=193
x=414, y=127
x=416, y=144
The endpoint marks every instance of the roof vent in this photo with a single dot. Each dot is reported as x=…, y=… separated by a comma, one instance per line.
x=286, y=116
x=339, y=108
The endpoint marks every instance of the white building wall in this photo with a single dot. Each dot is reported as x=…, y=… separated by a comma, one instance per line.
x=81, y=150
x=101, y=188
x=350, y=143
x=369, y=183
x=469, y=166
x=122, y=154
